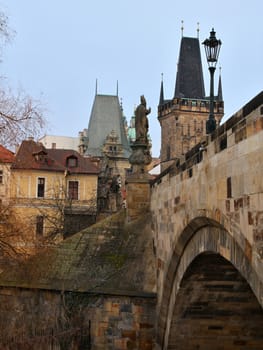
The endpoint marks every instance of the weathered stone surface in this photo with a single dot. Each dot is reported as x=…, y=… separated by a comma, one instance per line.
x=221, y=189
x=220, y=305
x=85, y=261
x=100, y=280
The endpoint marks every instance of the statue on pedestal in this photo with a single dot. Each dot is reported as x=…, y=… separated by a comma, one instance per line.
x=141, y=155
x=141, y=121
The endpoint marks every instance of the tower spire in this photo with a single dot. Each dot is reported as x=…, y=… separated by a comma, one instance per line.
x=117, y=90
x=198, y=30
x=189, y=66
x=96, y=87
x=161, y=100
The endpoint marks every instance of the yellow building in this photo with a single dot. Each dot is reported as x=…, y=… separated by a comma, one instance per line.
x=6, y=159
x=53, y=190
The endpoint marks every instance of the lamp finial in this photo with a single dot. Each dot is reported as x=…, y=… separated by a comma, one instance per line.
x=182, y=28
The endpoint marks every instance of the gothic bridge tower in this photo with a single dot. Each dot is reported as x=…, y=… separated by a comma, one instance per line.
x=183, y=118
x=107, y=143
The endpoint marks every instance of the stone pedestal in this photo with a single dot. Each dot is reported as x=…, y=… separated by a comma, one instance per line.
x=140, y=157
x=138, y=183
x=138, y=197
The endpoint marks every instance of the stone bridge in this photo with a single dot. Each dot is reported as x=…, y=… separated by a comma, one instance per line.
x=208, y=238
x=198, y=252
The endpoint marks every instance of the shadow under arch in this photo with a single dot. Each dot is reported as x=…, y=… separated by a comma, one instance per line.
x=201, y=235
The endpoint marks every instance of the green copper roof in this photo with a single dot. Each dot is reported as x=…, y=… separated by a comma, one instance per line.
x=106, y=116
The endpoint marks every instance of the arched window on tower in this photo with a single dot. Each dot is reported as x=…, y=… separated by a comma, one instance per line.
x=168, y=152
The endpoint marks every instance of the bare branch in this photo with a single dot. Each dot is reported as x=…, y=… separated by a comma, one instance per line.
x=20, y=117
x=6, y=33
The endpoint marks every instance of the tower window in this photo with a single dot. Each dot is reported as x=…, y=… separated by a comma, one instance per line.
x=229, y=187
x=168, y=152
x=1, y=176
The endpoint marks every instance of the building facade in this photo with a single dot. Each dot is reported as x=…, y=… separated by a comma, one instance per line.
x=60, y=142
x=48, y=186
x=6, y=159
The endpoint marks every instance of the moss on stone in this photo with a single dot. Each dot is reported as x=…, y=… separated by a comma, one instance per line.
x=110, y=256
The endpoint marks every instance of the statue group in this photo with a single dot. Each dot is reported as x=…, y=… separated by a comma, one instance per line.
x=141, y=122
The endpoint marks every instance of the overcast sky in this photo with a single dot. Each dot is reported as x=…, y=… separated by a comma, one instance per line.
x=62, y=46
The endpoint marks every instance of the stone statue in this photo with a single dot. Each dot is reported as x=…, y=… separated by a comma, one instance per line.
x=141, y=121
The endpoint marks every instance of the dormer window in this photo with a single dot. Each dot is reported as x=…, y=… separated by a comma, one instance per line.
x=72, y=162
x=40, y=157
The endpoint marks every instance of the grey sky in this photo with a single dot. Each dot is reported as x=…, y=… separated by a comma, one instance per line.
x=61, y=47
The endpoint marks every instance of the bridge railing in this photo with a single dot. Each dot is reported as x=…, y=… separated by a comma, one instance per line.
x=241, y=125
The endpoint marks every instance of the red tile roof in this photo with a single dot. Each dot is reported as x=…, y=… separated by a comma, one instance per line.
x=6, y=156
x=33, y=155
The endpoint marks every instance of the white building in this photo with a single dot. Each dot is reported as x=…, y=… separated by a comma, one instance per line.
x=60, y=142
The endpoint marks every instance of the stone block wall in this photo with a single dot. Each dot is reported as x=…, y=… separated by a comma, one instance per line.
x=218, y=185
x=138, y=197
x=40, y=320
x=225, y=185
x=123, y=323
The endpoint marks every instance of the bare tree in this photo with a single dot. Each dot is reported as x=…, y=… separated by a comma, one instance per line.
x=13, y=235
x=60, y=215
x=20, y=115
x=6, y=33
x=60, y=208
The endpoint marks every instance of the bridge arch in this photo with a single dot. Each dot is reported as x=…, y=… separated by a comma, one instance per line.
x=203, y=239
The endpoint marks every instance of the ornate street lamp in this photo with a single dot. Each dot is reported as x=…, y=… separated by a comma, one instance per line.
x=212, y=48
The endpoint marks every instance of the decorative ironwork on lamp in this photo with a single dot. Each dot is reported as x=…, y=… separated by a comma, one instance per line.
x=212, y=48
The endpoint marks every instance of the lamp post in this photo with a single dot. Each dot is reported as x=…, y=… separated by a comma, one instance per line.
x=212, y=48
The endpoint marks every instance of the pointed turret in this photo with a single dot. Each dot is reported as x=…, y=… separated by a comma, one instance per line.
x=161, y=100
x=96, y=87
x=220, y=91
x=189, y=78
